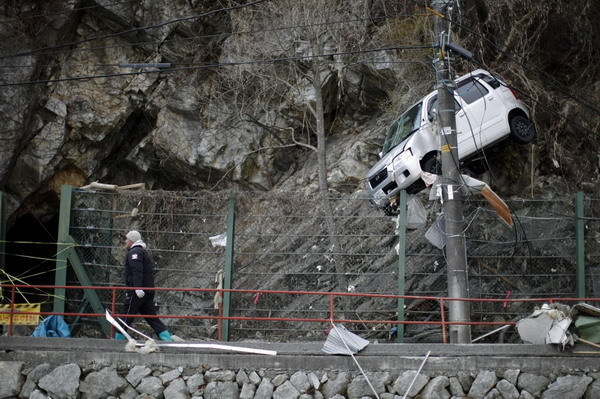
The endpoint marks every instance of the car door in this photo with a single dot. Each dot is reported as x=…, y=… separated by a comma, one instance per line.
x=482, y=114
x=432, y=107
x=466, y=133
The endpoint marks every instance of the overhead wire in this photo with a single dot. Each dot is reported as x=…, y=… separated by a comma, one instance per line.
x=557, y=84
x=138, y=29
x=512, y=58
x=212, y=66
x=215, y=35
x=589, y=105
x=53, y=14
x=456, y=162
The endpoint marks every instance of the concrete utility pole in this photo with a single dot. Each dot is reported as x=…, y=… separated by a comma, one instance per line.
x=458, y=284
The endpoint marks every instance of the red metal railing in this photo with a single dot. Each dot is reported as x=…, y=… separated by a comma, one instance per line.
x=331, y=295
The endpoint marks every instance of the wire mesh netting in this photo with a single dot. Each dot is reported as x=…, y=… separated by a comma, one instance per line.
x=287, y=242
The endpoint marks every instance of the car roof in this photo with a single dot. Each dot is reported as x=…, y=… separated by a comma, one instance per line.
x=459, y=79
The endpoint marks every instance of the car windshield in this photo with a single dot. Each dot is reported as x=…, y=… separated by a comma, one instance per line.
x=407, y=124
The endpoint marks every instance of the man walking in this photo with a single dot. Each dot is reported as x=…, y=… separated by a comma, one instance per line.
x=139, y=272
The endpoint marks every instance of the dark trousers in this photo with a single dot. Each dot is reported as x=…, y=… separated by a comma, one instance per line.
x=145, y=305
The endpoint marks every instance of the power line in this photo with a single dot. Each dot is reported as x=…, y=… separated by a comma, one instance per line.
x=215, y=35
x=52, y=14
x=219, y=65
x=557, y=84
x=172, y=21
x=563, y=90
x=509, y=56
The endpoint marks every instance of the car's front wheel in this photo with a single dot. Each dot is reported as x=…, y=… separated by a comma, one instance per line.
x=521, y=129
x=431, y=164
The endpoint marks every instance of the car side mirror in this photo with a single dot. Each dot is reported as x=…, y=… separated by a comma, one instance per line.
x=380, y=153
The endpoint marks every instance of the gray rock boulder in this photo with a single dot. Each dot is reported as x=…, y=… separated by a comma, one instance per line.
x=254, y=378
x=526, y=395
x=62, y=382
x=137, y=374
x=465, y=379
x=102, y=384
x=241, y=378
x=593, y=390
x=507, y=389
x=287, y=390
x=483, y=383
x=177, y=389
x=511, y=375
x=222, y=389
x=532, y=383
x=129, y=393
x=300, y=380
x=567, y=387
x=405, y=379
x=314, y=381
x=493, y=394
x=37, y=394
x=338, y=385
x=11, y=377
x=264, y=390
x=360, y=387
x=151, y=386
x=248, y=391
x=389, y=395
x=194, y=383
x=32, y=379
x=456, y=388
x=436, y=388
x=169, y=376
x=219, y=375
x=279, y=379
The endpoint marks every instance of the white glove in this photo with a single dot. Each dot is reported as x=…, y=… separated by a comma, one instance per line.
x=140, y=293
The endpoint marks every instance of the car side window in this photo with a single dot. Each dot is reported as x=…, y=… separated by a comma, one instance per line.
x=433, y=104
x=492, y=81
x=470, y=90
x=407, y=124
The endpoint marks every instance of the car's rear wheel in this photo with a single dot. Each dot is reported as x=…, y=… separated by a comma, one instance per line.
x=521, y=129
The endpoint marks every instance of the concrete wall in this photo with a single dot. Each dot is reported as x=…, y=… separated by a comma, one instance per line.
x=92, y=368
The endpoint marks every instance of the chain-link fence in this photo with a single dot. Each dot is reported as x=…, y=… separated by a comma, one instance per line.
x=282, y=242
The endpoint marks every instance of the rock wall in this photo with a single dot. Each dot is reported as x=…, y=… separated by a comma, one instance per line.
x=175, y=130
x=141, y=381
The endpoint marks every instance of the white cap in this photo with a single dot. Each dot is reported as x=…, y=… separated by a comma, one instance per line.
x=133, y=236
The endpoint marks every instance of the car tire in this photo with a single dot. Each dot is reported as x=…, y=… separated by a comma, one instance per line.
x=521, y=130
x=432, y=165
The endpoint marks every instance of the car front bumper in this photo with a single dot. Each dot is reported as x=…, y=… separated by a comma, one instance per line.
x=403, y=171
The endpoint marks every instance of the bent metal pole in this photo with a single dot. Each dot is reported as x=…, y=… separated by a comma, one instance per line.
x=456, y=263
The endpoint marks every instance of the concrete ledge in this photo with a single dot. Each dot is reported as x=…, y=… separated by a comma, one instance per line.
x=301, y=356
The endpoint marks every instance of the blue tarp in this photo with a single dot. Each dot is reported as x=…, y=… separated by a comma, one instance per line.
x=52, y=326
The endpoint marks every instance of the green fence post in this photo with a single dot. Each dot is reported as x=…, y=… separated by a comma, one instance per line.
x=64, y=221
x=228, y=266
x=580, y=244
x=2, y=234
x=401, y=263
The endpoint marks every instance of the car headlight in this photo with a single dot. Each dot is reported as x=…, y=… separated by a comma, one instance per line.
x=401, y=159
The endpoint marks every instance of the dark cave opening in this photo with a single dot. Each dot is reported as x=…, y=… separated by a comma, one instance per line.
x=30, y=258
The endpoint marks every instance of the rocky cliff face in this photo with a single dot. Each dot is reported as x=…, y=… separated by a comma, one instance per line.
x=72, y=113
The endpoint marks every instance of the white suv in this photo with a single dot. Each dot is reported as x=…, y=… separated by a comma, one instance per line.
x=487, y=111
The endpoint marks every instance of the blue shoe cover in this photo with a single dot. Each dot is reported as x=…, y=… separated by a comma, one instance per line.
x=165, y=336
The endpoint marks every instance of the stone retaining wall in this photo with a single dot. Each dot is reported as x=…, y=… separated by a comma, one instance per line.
x=18, y=379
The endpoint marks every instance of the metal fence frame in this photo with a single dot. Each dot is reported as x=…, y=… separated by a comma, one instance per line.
x=69, y=251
